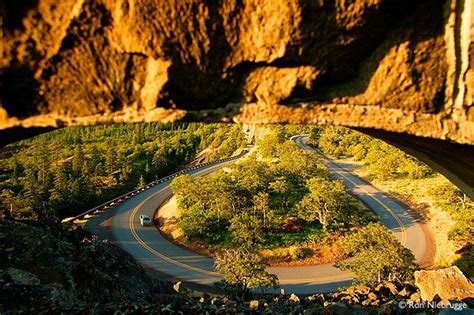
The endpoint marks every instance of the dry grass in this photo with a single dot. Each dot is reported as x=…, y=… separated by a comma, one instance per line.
x=314, y=254
x=416, y=193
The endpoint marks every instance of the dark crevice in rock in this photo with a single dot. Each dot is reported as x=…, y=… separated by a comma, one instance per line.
x=197, y=86
x=19, y=91
x=13, y=12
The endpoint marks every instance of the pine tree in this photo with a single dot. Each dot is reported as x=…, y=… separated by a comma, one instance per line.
x=141, y=182
x=110, y=160
x=78, y=160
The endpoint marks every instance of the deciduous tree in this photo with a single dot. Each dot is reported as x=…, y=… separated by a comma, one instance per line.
x=326, y=202
x=375, y=255
x=244, y=270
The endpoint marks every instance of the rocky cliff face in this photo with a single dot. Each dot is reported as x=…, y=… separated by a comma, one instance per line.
x=397, y=65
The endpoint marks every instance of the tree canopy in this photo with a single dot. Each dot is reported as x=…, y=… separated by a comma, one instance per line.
x=245, y=205
x=244, y=270
x=375, y=256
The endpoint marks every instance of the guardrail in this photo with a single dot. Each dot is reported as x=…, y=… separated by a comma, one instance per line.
x=137, y=191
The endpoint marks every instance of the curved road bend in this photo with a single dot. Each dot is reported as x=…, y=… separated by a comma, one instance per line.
x=153, y=250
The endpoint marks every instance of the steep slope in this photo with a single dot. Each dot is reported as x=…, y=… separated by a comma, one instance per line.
x=49, y=267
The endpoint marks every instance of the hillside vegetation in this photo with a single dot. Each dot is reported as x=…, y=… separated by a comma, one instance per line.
x=449, y=212
x=65, y=172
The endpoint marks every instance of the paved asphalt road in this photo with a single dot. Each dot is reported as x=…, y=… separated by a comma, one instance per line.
x=151, y=249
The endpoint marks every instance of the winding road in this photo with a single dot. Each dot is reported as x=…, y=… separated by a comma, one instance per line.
x=151, y=249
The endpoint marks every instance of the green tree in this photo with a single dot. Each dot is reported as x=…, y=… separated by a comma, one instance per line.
x=268, y=146
x=110, y=160
x=326, y=202
x=375, y=256
x=304, y=163
x=315, y=134
x=6, y=202
x=99, y=169
x=261, y=206
x=246, y=229
x=244, y=270
x=282, y=188
x=141, y=182
x=199, y=224
x=60, y=190
x=415, y=169
x=78, y=160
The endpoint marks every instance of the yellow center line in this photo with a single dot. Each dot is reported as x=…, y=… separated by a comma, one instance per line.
x=393, y=214
x=343, y=276
x=153, y=251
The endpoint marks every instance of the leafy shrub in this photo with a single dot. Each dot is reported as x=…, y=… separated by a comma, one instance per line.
x=297, y=253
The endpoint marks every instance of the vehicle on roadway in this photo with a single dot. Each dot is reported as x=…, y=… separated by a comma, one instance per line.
x=145, y=220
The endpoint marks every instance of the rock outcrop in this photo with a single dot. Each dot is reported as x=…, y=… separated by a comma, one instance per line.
x=49, y=267
x=403, y=66
x=448, y=284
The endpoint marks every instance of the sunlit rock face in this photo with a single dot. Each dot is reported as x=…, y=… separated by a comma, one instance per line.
x=397, y=65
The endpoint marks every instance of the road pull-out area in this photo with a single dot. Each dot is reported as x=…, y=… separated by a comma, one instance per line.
x=154, y=251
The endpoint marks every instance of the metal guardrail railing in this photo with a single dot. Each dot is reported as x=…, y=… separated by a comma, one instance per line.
x=135, y=192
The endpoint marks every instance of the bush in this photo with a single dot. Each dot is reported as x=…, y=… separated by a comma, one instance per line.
x=297, y=253
x=415, y=169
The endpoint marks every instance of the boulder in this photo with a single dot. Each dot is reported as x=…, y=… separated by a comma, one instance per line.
x=294, y=298
x=392, y=287
x=177, y=286
x=415, y=298
x=448, y=283
x=253, y=304
x=383, y=290
x=362, y=289
x=404, y=292
x=372, y=296
x=337, y=309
